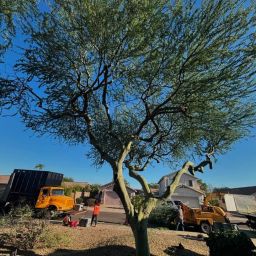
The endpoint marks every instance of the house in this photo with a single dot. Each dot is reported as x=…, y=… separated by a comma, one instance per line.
x=3, y=183
x=110, y=198
x=4, y=179
x=188, y=191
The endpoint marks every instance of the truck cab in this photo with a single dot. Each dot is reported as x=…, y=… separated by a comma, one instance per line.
x=53, y=198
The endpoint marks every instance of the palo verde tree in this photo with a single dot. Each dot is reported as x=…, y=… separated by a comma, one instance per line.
x=9, y=11
x=141, y=82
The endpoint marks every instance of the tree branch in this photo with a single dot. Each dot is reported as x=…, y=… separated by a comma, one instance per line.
x=187, y=167
x=140, y=179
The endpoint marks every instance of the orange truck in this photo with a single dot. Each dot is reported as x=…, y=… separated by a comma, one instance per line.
x=203, y=217
x=39, y=189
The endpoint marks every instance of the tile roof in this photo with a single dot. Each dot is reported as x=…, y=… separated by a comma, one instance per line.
x=4, y=179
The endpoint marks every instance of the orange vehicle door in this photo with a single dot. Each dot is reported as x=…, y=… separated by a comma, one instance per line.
x=43, y=199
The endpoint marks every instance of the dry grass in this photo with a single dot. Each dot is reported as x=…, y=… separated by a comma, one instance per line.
x=106, y=239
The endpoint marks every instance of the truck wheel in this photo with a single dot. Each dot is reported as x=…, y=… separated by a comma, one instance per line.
x=205, y=227
x=46, y=213
x=51, y=212
x=2, y=212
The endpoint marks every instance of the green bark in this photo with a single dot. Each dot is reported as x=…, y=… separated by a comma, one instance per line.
x=139, y=229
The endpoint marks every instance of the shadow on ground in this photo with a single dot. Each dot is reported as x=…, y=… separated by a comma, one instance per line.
x=175, y=251
x=10, y=250
x=198, y=237
x=111, y=250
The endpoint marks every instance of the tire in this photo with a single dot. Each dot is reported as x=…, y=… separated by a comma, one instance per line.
x=48, y=213
x=205, y=227
x=2, y=212
x=51, y=211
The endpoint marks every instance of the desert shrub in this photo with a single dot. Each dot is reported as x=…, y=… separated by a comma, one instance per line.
x=79, y=200
x=214, y=202
x=67, y=191
x=229, y=243
x=52, y=239
x=163, y=215
x=21, y=230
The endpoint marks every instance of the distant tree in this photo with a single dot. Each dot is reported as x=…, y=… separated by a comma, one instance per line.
x=142, y=82
x=39, y=167
x=67, y=191
x=95, y=189
x=153, y=185
x=68, y=179
x=203, y=186
x=220, y=189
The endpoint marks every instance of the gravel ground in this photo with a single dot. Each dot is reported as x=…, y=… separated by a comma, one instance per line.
x=117, y=240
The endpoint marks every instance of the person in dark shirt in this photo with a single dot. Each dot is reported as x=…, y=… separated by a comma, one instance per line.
x=180, y=218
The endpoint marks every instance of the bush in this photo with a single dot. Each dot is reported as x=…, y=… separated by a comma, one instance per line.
x=67, y=191
x=52, y=239
x=163, y=215
x=22, y=231
x=229, y=243
x=79, y=200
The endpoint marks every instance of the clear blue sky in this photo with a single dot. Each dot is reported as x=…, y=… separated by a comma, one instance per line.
x=20, y=148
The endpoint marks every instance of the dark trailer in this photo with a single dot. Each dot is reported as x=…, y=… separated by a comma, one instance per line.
x=25, y=185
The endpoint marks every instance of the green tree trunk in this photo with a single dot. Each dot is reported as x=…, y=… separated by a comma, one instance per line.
x=139, y=229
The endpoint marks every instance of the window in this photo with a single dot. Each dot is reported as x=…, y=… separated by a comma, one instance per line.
x=45, y=192
x=57, y=192
x=190, y=183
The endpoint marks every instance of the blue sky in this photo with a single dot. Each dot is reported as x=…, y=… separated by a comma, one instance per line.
x=21, y=148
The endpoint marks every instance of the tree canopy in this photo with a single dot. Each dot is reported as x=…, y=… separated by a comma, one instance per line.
x=175, y=81
x=141, y=82
x=39, y=166
x=9, y=12
x=68, y=179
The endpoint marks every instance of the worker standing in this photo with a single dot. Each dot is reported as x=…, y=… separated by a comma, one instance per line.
x=180, y=218
x=95, y=213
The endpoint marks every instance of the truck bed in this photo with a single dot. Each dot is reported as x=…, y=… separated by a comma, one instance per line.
x=26, y=184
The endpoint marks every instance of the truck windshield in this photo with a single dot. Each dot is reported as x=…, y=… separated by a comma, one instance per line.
x=57, y=192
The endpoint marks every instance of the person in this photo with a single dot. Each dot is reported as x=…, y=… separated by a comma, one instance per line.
x=180, y=218
x=67, y=219
x=95, y=213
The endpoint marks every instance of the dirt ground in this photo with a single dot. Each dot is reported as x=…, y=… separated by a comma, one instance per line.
x=117, y=240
